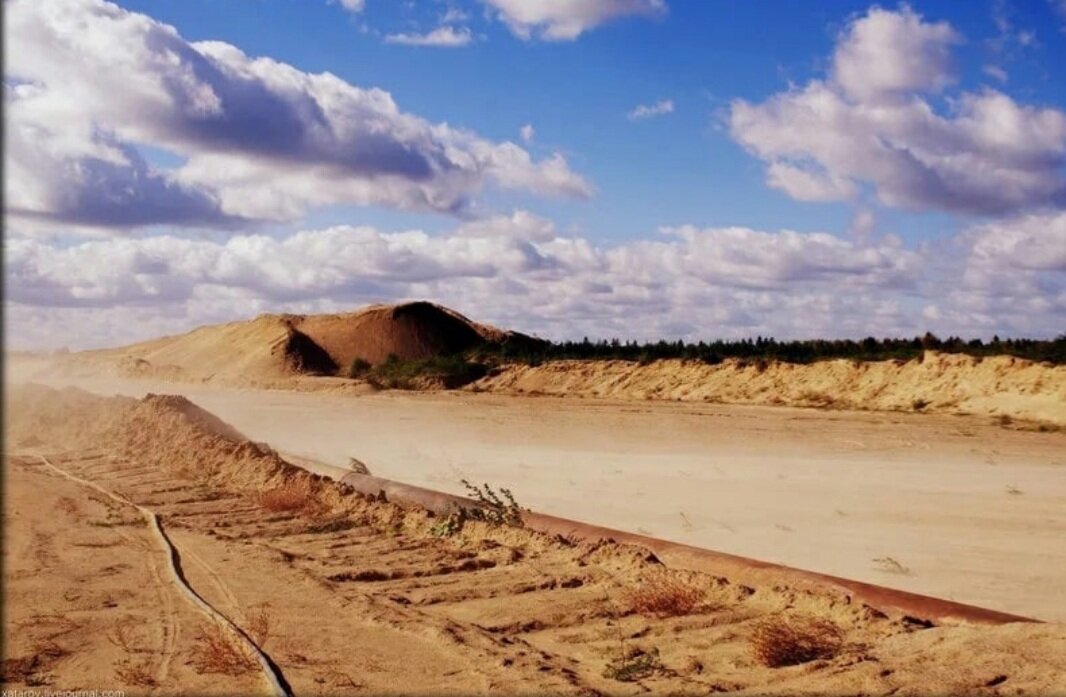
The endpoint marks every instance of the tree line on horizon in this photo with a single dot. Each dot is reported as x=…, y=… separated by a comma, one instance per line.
x=535, y=351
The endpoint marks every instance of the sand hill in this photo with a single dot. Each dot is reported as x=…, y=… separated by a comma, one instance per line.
x=270, y=348
x=1000, y=386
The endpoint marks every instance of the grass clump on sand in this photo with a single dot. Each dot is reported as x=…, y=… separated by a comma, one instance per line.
x=396, y=373
x=293, y=496
x=215, y=651
x=663, y=595
x=137, y=673
x=787, y=641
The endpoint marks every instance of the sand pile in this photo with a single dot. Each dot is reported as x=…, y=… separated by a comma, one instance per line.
x=267, y=347
x=169, y=432
x=951, y=383
x=410, y=331
x=272, y=349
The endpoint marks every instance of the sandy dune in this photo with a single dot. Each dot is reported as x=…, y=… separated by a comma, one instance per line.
x=277, y=349
x=398, y=609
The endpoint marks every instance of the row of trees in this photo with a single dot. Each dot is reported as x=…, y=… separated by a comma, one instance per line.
x=767, y=348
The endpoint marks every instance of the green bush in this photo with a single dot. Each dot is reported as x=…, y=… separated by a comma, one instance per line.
x=359, y=368
x=495, y=509
x=444, y=371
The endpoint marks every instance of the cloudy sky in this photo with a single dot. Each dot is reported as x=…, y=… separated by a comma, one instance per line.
x=629, y=168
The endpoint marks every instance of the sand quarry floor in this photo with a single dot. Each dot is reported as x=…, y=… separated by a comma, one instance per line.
x=359, y=596
x=957, y=507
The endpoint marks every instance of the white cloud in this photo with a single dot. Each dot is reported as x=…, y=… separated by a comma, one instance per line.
x=452, y=15
x=1034, y=242
x=565, y=20
x=995, y=71
x=355, y=6
x=1006, y=277
x=445, y=36
x=1013, y=276
x=808, y=183
x=261, y=139
x=889, y=55
x=527, y=133
x=647, y=111
x=870, y=122
x=725, y=281
x=863, y=224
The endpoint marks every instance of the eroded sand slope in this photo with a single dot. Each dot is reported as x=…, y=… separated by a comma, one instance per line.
x=366, y=595
x=952, y=383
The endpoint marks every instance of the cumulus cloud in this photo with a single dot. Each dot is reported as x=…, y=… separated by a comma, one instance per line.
x=260, y=139
x=889, y=55
x=527, y=133
x=92, y=178
x=522, y=247
x=714, y=281
x=565, y=20
x=445, y=36
x=519, y=270
x=1035, y=242
x=871, y=122
x=1013, y=277
x=647, y=111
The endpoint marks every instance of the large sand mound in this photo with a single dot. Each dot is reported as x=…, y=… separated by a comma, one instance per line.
x=1001, y=385
x=275, y=347
x=410, y=331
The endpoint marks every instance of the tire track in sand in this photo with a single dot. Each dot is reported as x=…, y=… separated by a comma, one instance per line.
x=272, y=674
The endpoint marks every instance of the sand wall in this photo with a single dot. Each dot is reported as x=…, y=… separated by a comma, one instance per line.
x=952, y=383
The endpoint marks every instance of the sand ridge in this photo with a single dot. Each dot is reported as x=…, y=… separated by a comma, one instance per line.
x=948, y=383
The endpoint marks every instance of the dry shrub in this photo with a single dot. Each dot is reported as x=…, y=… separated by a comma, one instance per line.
x=338, y=678
x=137, y=673
x=788, y=641
x=259, y=623
x=68, y=505
x=124, y=636
x=665, y=596
x=215, y=651
x=293, y=496
x=32, y=669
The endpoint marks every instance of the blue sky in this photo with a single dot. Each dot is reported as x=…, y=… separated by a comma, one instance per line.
x=683, y=168
x=595, y=174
